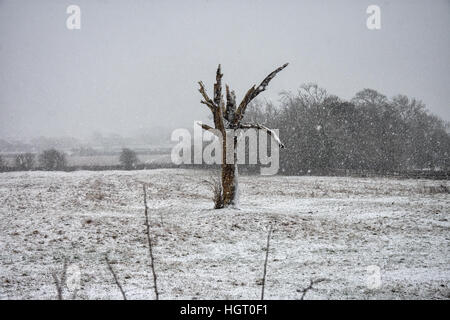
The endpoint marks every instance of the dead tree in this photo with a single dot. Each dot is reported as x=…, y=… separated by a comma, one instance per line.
x=229, y=116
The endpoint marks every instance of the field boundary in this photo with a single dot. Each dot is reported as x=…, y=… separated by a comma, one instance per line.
x=254, y=169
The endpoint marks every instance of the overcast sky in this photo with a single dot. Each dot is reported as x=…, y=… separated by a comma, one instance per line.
x=135, y=64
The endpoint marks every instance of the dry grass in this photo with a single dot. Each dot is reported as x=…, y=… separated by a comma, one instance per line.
x=215, y=185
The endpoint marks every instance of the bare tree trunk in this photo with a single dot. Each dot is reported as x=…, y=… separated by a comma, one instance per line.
x=228, y=183
x=230, y=178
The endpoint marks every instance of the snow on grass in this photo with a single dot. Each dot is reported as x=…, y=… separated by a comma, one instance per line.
x=324, y=227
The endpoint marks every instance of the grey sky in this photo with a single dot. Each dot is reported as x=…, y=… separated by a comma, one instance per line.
x=135, y=64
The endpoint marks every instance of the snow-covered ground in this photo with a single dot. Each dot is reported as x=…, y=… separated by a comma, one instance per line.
x=324, y=227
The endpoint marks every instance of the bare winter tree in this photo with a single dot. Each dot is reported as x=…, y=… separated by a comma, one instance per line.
x=228, y=116
x=24, y=161
x=52, y=160
x=128, y=158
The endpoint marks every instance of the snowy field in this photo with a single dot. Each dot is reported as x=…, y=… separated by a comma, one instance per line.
x=324, y=227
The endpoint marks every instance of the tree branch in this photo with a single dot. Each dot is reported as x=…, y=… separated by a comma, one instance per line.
x=266, y=81
x=261, y=127
x=231, y=104
x=209, y=105
x=207, y=100
x=253, y=92
x=243, y=105
x=217, y=106
x=210, y=129
x=218, y=87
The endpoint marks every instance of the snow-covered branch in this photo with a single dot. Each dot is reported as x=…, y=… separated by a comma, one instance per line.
x=253, y=92
x=209, y=128
x=261, y=127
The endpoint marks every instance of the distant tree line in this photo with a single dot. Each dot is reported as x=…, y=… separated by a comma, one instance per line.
x=24, y=161
x=370, y=132
x=50, y=160
x=54, y=160
x=323, y=133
